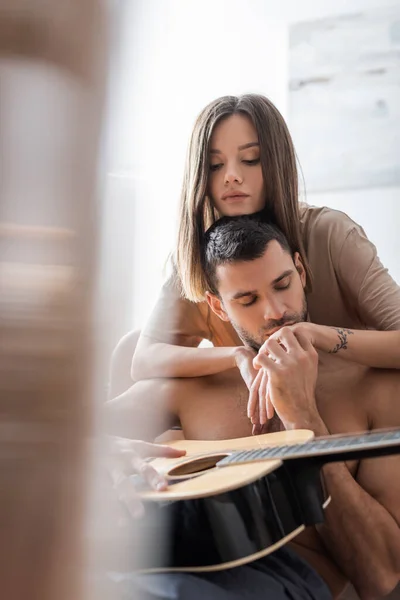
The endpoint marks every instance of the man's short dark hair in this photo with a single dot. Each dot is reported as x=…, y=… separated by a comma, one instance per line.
x=237, y=239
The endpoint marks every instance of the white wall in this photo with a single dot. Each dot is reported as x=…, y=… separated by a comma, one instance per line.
x=293, y=11
x=173, y=56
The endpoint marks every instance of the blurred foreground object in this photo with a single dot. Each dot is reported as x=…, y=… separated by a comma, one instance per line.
x=52, y=71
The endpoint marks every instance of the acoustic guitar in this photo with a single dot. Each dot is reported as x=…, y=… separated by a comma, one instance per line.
x=230, y=502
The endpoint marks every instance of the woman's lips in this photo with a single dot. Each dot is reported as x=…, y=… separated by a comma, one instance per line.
x=235, y=198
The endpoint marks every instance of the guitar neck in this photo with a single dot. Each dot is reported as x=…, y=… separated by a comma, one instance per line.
x=335, y=448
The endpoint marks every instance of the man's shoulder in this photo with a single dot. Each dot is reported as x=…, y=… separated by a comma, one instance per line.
x=127, y=344
x=121, y=362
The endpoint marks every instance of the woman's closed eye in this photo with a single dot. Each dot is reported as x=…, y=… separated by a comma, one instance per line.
x=254, y=161
x=249, y=162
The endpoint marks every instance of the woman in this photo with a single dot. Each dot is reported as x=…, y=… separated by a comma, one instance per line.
x=241, y=160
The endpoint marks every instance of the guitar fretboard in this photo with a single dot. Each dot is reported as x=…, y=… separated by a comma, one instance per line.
x=328, y=449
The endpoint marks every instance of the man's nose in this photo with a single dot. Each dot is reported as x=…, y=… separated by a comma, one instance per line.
x=274, y=310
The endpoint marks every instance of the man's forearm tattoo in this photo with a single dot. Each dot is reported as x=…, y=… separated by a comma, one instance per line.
x=342, y=344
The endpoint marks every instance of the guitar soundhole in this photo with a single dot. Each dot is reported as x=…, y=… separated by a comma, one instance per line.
x=196, y=465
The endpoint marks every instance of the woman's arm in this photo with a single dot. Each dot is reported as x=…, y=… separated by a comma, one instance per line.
x=376, y=296
x=370, y=334
x=379, y=349
x=366, y=283
x=157, y=359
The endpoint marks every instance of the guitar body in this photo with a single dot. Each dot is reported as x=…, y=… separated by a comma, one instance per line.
x=211, y=519
x=231, y=502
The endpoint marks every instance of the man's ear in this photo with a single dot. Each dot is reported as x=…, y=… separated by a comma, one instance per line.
x=300, y=268
x=216, y=306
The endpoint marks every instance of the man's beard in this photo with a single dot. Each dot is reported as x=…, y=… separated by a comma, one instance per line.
x=288, y=318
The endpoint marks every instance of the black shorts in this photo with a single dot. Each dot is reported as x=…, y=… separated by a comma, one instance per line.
x=282, y=575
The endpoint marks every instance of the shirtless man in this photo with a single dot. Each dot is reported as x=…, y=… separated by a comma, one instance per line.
x=257, y=284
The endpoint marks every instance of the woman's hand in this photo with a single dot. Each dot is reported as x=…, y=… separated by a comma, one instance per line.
x=126, y=458
x=257, y=384
x=260, y=408
x=308, y=331
x=244, y=357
